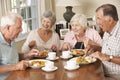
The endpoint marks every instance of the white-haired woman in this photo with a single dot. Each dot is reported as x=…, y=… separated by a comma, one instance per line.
x=80, y=34
x=43, y=37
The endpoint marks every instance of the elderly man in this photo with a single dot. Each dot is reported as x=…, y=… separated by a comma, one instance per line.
x=107, y=19
x=11, y=26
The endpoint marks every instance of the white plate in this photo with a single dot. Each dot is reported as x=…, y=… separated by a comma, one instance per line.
x=74, y=59
x=35, y=67
x=87, y=57
x=52, y=59
x=49, y=70
x=67, y=57
x=71, y=68
x=75, y=53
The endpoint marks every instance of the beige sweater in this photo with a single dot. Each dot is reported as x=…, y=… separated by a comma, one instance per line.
x=33, y=35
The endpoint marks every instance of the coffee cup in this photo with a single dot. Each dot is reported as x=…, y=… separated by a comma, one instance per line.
x=65, y=54
x=71, y=64
x=52, y=55
x=49, y=65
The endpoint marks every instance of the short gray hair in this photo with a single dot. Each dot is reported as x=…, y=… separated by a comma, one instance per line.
x=109, y=10
x=81, y=19
x=50, y=15
x=9, y=19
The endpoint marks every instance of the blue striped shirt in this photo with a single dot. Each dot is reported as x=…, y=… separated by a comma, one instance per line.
x=8, y=53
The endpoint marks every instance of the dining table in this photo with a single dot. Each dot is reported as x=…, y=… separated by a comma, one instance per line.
x=92, y=71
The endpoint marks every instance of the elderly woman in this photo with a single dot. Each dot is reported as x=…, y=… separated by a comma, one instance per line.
x=43, y=38
x=80, y=34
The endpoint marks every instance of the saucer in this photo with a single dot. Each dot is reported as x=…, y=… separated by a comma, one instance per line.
x=66, y=67
x=49, y=70
x=52, y=59
x=66, y=57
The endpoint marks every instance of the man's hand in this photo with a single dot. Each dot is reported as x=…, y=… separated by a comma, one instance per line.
x=100, y=56
x=22, y=65
x=92, y=47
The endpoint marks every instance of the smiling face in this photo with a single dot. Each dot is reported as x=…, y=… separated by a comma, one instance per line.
x=46, y=23
x=77, y=29
x=103, y=21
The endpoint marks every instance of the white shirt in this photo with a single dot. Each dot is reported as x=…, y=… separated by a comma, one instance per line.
x=111, y=46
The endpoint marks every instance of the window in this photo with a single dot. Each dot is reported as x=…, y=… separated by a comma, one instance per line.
x=63, y=32
x=28, y=10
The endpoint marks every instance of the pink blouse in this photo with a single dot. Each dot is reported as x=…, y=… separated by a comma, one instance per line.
x=89, y=34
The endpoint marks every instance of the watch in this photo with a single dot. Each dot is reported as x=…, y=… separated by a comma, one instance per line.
x=110, y=58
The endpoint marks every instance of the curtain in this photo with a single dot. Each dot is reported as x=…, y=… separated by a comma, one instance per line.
x=5, y=6
x=50, y=5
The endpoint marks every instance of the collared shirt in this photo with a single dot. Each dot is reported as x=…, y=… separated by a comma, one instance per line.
x=8, y=53
x=89, y=34
x=111, y=46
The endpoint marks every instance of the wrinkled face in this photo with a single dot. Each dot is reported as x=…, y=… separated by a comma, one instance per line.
x=77, y=29
x=102, y=20
x=15, y=29
x=46, y=23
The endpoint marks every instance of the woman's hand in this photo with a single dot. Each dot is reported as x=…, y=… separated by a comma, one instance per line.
x=32, y=53
x=66, y=46
x=32, y=44
x=54, y=48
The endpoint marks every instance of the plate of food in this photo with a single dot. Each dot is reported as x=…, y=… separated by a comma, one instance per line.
x=84, y=59
x=37, y=63
x=77, y=52
x=42, y=54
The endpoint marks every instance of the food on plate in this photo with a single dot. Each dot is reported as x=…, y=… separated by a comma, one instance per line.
x=77, y=51
x=37, y=63
x=84, y=60
x=43, y=53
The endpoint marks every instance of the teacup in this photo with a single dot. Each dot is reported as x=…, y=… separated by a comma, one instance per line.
x=49, y=65
x=66, y=54
x=71, y=64
x=52, y=55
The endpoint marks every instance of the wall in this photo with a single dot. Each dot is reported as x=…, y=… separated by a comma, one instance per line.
x=87, y=7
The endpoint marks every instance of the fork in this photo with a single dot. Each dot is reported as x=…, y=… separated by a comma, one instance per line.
x=85, y=55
